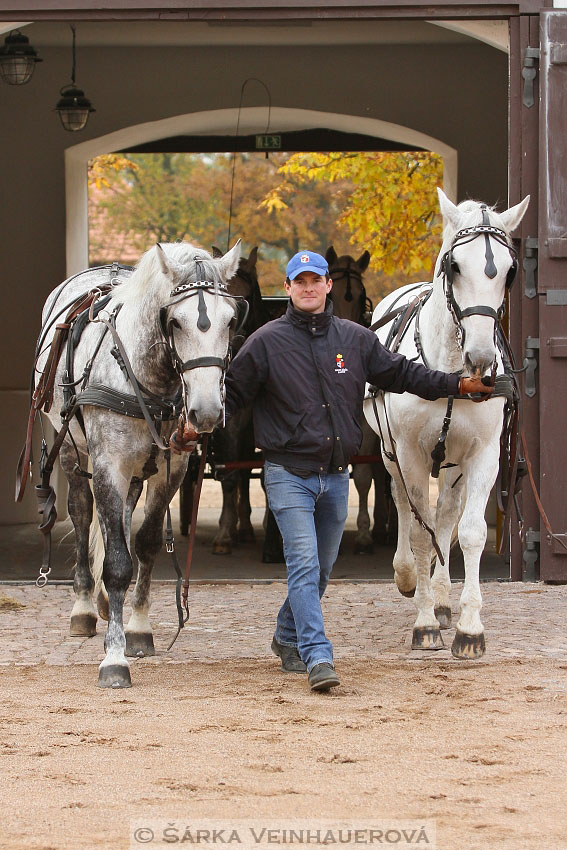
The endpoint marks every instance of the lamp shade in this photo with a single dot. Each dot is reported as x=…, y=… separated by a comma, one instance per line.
x=17, y=59
x=73, y=108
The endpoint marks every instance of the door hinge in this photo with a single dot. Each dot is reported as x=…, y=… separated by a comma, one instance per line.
x=530, y=266
x=529, y=73
x=530, y=364
x=531, y=555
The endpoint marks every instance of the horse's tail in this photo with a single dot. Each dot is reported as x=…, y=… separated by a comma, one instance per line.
x=96, y=553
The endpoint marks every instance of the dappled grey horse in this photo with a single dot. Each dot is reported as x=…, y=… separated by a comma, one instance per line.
x=161, y=342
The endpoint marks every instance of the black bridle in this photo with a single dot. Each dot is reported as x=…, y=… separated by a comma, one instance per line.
x=198, y=288
x=365, y=304
x=449, y=268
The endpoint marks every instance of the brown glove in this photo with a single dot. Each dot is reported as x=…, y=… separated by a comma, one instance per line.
x=476, y=385
x=184, y=439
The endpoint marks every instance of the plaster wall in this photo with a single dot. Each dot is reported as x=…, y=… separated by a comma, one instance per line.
x=455, y=93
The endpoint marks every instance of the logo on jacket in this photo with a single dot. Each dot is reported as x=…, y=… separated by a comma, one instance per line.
x=340, y=368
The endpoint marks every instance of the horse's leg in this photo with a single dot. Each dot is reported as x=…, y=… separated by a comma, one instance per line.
x=149, y=540
x=479, y=478
x=226, y=450
x=246, y=452
x=362, y=475
x=186, y=502
x=134, y=492
x=404, y=561
x=222, y=543
x=385, y=514
x=80, y=506
x=111, y=484
x=426, y=633
x=448, y=510
x=245, y=529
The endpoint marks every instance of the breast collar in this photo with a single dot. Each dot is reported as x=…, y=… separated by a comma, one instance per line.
x=316, y=324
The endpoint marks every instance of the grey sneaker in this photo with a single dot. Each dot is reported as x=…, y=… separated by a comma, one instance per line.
x=291, y=662
x=322, y=677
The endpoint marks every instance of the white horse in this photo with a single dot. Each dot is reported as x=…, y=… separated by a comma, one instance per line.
x=172, y=321
x=456, y=333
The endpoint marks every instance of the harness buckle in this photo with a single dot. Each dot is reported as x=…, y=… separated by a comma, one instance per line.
x=42, y=578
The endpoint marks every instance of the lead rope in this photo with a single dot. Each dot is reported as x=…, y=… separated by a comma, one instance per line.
x=182, y=600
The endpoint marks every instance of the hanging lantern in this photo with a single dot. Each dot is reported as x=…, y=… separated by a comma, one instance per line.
x=17, y=59
x=73, y=107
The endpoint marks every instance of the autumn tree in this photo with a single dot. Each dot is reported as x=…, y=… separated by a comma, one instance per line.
x=165, y=197
x=390, y=206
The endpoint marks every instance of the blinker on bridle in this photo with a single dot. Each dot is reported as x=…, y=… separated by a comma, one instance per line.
x=449, y=268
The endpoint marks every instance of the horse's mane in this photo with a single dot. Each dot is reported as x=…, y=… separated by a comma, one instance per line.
x=148, y=280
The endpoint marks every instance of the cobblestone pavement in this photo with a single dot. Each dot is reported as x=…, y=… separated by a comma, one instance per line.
x=369, y=620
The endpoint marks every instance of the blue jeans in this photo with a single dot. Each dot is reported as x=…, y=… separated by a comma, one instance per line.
x=311, y=514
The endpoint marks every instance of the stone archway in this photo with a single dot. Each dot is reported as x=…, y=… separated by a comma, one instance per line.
x=222, y=122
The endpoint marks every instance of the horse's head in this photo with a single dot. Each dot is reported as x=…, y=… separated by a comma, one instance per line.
x=197, y=320
x=477, y=264
x=348, y=292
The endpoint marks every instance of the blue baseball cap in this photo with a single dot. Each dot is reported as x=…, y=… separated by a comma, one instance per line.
x=306, y=261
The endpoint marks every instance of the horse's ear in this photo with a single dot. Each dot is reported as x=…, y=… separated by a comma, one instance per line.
x=448, y=209
x=512, y=217
x=216, y=252
x=363, y=261
x=331, y=255
x=229, y=263
x=252, y=256
x=164, y=265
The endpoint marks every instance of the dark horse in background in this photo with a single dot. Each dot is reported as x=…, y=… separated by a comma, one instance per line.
x=234, y=442
x=351, y=302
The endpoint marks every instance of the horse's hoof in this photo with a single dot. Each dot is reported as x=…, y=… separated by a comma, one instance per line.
x=102, y=605
x=246, y=535
x=468, y=647
x=363, y=548
x=139, y=644
x=114, y=676
x=426, y=637
x=83, y=625
x=409, y=593
x=221, y=549
x=443, y=616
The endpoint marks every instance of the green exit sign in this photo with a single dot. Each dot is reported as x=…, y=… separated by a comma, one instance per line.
x=268, y=143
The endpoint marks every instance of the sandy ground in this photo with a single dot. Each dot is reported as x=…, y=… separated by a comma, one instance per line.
x=215, y=730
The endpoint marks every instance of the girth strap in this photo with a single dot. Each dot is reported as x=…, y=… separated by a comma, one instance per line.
x=101, y=396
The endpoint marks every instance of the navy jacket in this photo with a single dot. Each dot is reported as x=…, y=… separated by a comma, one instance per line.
x=305, y=375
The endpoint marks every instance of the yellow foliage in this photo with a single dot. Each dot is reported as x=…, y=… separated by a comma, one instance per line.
x=391, y=207
x=103, y=166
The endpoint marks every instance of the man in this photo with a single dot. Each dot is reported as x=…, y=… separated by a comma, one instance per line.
x=305, y=376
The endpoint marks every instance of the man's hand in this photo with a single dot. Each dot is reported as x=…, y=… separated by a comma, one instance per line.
x=184, y=439
x=476, y=385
